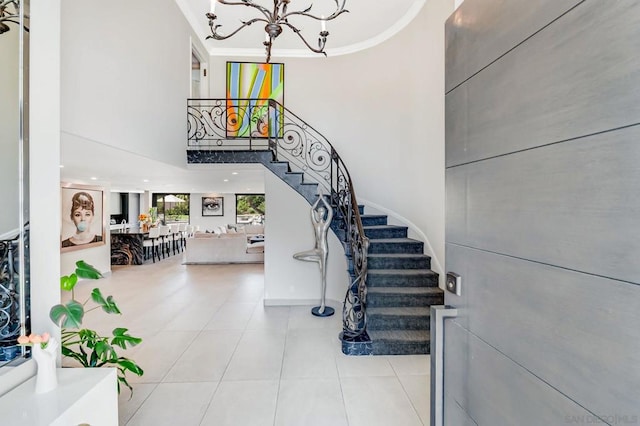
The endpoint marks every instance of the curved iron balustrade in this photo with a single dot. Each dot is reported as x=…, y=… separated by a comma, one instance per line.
x=264, y=124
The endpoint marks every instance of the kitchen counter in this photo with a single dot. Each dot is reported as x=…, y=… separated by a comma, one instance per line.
x=127, y=246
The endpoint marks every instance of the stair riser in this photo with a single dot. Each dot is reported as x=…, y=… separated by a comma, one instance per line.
x=407, y=248
x=386, y=233
x=292, y=179
x=401, y=281
x=402, y=263
x=397, y=322
x=376, y=300
x=374, y=221
x=418, y=348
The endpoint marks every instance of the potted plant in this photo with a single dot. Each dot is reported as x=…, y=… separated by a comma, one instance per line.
x=85, y=345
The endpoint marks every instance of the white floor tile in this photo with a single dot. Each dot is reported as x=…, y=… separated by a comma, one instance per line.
x=170, y=404
x=419, y=390
x=358, y=366
x=231, y=316
x=307, y=354
x=157, y=355
x=273, y=317
x=310, y=402
x=192, y=319
x=377, y=401
x=258, y=356
x=129, y=403
x=301, y=318
x=206, y=359
x=239, y=403
x=407, y=365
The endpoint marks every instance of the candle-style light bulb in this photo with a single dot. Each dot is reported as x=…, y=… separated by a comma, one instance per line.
x=323, y=23
x=267, y=39
x=213, y=6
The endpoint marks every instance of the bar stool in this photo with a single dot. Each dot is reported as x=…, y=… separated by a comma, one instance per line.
x=164, y=235
x=182, y=230
x=174, y=230
x=152, y=244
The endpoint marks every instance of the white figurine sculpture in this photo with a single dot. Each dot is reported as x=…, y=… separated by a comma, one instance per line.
x=320, y=253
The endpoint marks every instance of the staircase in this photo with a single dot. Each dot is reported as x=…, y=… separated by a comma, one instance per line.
x=400, y=286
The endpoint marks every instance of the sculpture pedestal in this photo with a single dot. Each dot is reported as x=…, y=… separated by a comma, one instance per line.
x=328, y=311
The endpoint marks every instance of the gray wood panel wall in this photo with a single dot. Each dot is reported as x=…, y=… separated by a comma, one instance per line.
x=543, y=212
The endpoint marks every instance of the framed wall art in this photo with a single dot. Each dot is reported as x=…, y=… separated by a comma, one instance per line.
x=83, y=221
x=249, y=87
x=212, y=206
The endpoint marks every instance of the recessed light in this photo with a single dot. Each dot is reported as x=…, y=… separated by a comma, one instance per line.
x=145, y=180
x=234, y=173
x=94, y=178
x=62, y=166
x=226, y=180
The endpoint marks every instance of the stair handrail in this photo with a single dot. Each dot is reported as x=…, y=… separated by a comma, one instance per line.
x=265, y=124
x=343, y=197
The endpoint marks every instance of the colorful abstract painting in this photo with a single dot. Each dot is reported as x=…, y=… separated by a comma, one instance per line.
x=249, y=87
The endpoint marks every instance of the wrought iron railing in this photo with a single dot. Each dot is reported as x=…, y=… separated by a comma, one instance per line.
x=264, y=124
x=14, y=297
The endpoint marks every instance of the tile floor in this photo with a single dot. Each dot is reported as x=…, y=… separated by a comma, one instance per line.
x=214, y=355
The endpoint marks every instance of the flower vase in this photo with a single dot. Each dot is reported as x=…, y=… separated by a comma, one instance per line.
x=145, y=227
x=46, y=377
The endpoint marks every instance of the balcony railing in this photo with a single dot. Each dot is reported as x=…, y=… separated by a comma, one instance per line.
x=264, y=124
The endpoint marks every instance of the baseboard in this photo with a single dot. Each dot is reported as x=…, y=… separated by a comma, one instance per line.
x=301, y=302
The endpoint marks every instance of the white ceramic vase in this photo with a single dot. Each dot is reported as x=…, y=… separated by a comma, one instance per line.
x=46, y=377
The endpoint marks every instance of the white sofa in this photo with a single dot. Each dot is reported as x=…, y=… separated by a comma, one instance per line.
x=214, y=248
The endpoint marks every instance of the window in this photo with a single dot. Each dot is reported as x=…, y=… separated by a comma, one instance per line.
x=250, y=209
x=172, y=208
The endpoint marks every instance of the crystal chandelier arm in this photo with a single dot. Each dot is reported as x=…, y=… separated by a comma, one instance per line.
x=245, y=24
x=321, y=41
x=248, y=3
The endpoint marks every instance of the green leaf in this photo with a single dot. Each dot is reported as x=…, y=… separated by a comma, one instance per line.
x=121, y=338
x=122, y=379
x=68, y=315
x=108, y=305
x=68, y=282
x=75, y=355
x=84, y=270
x=130, y=365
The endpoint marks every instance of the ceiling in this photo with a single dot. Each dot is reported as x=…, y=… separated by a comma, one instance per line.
x=124, y=171
x=367, y=24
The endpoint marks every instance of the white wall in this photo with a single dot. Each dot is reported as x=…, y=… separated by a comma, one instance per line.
x=9, y=130
x=44, y=162
x=211, y=222
x=383, y=110
x=288, y=230
x=126, y=75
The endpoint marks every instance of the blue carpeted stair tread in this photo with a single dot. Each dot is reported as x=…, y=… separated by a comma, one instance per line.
x=425, y=272
x=390, y=336
x=399, y=255
x=394, y=240
x=430, y=291
x=418, y=311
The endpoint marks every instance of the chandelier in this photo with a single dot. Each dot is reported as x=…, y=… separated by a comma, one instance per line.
x=6, y=15
x=275, y=20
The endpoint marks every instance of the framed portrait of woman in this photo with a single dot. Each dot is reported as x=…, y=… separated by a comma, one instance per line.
x=83, y=222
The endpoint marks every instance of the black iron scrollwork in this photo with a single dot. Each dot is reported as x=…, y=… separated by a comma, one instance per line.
x=10, y=300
